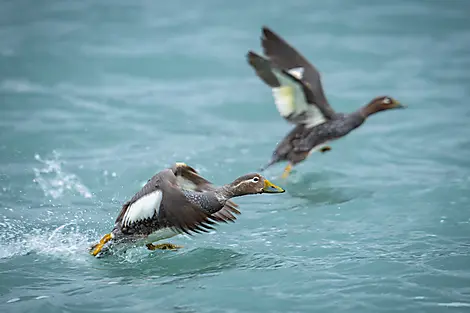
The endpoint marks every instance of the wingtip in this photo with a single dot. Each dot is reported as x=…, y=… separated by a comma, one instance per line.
x=269, y=164
x=260, y=62
x=267, y=32
x=269, y=36
x=264, y=167
x=252, y=57
x=250, y=54
x=184, y=166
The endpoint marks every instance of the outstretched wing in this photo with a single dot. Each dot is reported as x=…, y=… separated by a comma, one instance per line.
x=162, y=197
x=188, y=178
x=142, y=205
x=182, y=214
x=283, y=55
x=289, y=92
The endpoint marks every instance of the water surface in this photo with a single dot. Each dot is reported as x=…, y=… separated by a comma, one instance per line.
x=97, y=97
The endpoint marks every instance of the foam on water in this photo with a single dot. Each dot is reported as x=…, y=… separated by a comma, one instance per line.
x=54, y=181
x=66, y=242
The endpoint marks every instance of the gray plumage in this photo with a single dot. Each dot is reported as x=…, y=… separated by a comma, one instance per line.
x=181, y=209
x=315, y=120
x=296, y=145
x=207, y=201
x=176, y=210
x=285, y=57
x=178, y=200
x=186, y=174
x=188, y=203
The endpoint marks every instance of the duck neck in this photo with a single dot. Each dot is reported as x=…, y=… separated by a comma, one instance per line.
x=224, y=193
x=351, y=121
x=367, y=110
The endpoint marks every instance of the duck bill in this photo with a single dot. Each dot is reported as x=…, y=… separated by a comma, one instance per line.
x=271, y=188
x=398, y=105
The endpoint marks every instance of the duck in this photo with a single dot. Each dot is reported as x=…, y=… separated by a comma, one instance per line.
x=300, y=99
x=178, y=200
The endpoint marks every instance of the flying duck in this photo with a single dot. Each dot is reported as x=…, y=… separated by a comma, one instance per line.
x=300, y=99
x=178, y=200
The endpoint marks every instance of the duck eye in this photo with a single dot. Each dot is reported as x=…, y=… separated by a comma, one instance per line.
x=255, y=179
x=387, y=101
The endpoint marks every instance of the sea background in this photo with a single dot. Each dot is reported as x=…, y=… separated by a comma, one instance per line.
x=98, y=96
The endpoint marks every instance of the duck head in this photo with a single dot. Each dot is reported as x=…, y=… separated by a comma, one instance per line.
x=381, y=103
x=252, y=184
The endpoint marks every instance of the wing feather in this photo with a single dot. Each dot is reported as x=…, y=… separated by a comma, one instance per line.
x=188, y=178
x=144, y=208
x=283, y=55
x=289, y=92
x=162, y=196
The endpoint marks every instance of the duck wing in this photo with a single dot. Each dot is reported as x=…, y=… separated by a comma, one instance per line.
x=162, y=198
x=188, y=178
x=286, y=57
x=289, y=92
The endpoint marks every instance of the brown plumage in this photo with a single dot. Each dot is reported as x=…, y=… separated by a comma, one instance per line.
x=300, y=99
x=179, y=200
x=186, y=173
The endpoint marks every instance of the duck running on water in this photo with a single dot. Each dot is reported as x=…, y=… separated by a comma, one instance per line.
x=300, y=99
x=178, y=200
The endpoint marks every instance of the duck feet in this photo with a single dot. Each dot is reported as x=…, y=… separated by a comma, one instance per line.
x=163, y=246
x=287, y=171
x=95, y=249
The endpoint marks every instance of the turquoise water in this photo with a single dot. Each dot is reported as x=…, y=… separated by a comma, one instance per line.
x=97, y=96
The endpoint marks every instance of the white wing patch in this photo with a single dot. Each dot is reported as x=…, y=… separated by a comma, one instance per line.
x=143, y=208
x=291, y=102
x=297, y=72
x=315, y=117
x=284, y=97
x=185, y=183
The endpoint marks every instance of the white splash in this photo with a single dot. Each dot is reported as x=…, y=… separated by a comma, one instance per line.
x=67, y=241
x=54, y=181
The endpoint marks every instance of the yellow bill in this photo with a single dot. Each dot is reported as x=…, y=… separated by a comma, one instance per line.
x=271, y=188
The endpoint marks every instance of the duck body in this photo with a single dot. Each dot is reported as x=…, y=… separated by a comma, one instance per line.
x=302, y=140
x=300, y=99
x=208, y=202
x=178, y=200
